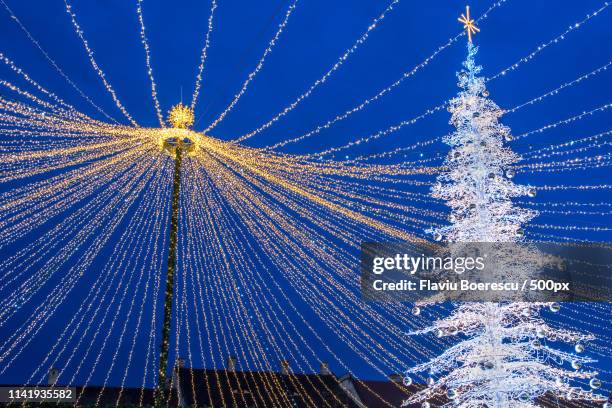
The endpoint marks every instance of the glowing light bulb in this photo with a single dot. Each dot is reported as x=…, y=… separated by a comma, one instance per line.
x=181, y=116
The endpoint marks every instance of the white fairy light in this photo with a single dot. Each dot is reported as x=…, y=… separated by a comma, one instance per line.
x=145, y=44
x=258, y=67
x=94, y=63
x=500, y=364
x=196, y=91
x=430, y=111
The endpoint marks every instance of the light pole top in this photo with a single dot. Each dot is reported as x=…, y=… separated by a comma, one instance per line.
x=179, y=136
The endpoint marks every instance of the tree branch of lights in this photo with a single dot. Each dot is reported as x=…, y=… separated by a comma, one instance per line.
x=508, y=356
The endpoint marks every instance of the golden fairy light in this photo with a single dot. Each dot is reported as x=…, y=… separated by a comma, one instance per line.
x=180, y=116
x=468, y=23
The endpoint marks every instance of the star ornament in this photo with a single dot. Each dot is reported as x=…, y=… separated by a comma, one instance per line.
x=468, y=23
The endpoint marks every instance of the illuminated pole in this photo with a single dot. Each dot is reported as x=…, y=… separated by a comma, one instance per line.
x=163, y=355
x=176, y=141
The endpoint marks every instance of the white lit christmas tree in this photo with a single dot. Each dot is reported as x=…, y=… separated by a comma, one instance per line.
x=506, y=355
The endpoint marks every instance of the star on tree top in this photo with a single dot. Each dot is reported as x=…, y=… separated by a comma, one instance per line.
x=468, y=23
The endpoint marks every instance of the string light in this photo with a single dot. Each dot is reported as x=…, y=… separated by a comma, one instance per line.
x=557, y=39
x=198, y=83
x=94, y=63
x=258, y=68
x=54, y=64
x=406, y=75
x=343, y=58
x=145, y=44
x=395, y=128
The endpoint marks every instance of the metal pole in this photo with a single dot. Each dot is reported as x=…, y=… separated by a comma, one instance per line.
x=163, y=355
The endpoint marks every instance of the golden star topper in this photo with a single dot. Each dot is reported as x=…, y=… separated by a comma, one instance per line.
x=468, y=23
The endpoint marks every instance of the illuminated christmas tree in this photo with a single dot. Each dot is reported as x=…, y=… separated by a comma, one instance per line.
x=507, y=355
